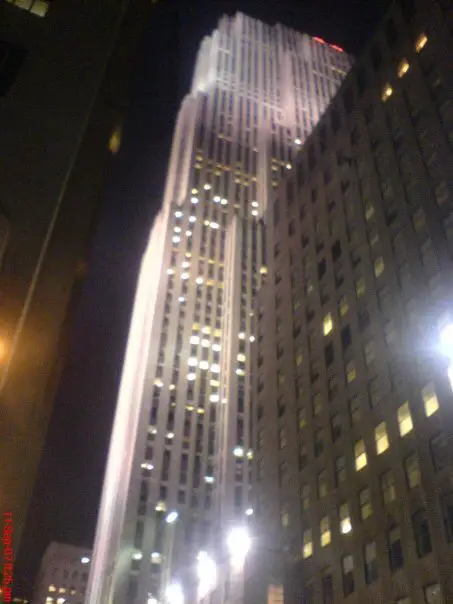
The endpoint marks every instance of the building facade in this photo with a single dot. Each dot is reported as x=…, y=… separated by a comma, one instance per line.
x=353, y=419
x=181, y=439
x=64, y=87
x=63, y=575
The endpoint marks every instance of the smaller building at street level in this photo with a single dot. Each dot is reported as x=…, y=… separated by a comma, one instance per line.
x=63, y=575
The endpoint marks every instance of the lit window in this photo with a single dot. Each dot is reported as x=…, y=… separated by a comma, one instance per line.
x=284, y=517
x=308, y=544
x=430, y=399
x=420, y=42
x=194, y=339
x=345, y=519
x=360, y=455
x=194, y=199
x=403, y=68
x=191, y=376
x=387, y=92
x=351, y=373
x=327, y=324
x=325, y=531
x=207, y=186
x=204, y=365
x=158, y=383
x=215, y=368
x=192, y=362
x=379, y=266
x=381, y=438
x=369, y=211
x=405, y=419
x=241, y=357
x=360, y=287
x=176, y=239
x=52, y=588
x=343, y=306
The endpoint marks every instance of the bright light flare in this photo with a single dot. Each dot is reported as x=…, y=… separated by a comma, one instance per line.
x=446, y=340
x=172, y=517
x=174, y=594
x=238, y=542
x=207, y=574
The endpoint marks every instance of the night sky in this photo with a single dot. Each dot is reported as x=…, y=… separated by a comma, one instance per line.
x=66, y=498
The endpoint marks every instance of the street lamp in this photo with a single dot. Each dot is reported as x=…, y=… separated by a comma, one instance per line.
x=174, y=594
x=238, y=542
x=207, y=574
x=172, y=517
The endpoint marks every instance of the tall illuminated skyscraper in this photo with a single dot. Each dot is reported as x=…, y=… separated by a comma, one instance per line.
x=181, y=438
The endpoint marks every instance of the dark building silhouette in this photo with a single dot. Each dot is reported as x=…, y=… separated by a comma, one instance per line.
x=64, y=80
x=353, y=406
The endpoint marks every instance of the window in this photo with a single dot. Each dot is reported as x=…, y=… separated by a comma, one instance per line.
x=347, y=567
x=370, y=559
x=360, y=455
x=412, y=470
x=343, y=306
x=351, y=373
x=389, y=332
x=366, y=507
x=345, y=519
x=433, y=594
x=11, y=59
x=405, y=419
x=340, y=470
x=360, y=287
x=327, y=324
x=403, y=68
x=302, y=418
x=282, y=438
x=305, y=496
x=319, y=442
x=308, y=594
x=421, y=533
x=379, y=266
x=368, y=351
x=335, y=423
x=317, y=404
x=284, y=516
x=388, y=488
x=381, y=438
x=430, y=399
x=322, y=484
x=387, y=92
x=327, y=587
x=354, y=409
x=439, y=454
x=396, y=559
x=420, y=42
x=325, y=531
x=346, y=337
x=307, y=544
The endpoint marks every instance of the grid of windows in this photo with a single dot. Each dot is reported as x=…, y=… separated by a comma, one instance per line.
x=365, y=223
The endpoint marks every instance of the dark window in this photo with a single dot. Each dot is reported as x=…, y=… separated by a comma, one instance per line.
x=336, y=250
x=347, y=567
x=335, y=120
x=439, y=455
x=336, y=426
x=311, y=157
x=391, y=33
x=370, y=560
x=11, y=59
x=319, y=442
x=421, y=533
x=396, y=558
x=362, y=80
x=346, y=338
x=447, y=512
x=348, y=100
x=327, y=587
x=407, y=8
x=309, y=594
x=329, y=354
x=376, y=57
x=322, y=266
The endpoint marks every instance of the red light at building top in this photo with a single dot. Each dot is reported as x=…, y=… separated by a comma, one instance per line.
x=334, y=46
